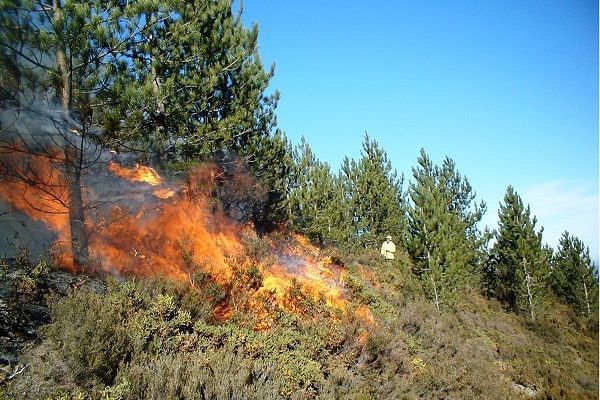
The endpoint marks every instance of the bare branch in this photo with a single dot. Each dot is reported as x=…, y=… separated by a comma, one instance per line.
x=18, y=370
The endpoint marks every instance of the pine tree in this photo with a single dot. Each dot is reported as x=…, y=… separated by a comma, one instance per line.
x=374, y=194
x=316, y=198
x=194, y=84
x=519, y=264
x=443, y=238
x=574, y=276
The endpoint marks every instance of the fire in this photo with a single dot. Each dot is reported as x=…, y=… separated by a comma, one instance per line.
x=164, y=193
x=187, y=233
x=139, y=173
x=35, y=186
x=157, y=241
x=364, y=314
x=179, y=232
x=298, y=260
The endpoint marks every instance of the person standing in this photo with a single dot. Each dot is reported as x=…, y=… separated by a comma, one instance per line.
x=388, y=248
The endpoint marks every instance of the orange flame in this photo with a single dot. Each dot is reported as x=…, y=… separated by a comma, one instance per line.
x=164, y=193
x=34, y=186
x=186, y=234
x=139, y=173
x=300, y=261
x=155, y=242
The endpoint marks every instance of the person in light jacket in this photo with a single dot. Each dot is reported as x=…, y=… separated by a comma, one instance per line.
x=388, y=248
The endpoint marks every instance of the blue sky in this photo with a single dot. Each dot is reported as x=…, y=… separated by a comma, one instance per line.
x=509, y=90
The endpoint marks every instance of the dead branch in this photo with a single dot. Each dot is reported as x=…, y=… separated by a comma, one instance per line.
x=18, y=370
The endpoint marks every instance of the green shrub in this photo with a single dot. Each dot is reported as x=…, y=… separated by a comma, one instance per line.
x=88, y=329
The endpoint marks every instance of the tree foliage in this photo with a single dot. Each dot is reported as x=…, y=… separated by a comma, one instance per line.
x=443, y=239
x=191, y=80
x=574, y=276
x=519, y=264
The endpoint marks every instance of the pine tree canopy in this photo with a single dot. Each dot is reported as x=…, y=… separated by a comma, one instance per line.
x=575, y=277
x=373, y=191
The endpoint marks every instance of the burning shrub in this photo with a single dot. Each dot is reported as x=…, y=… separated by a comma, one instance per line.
x=201, y=298
x=296, y=300
x=246, y=281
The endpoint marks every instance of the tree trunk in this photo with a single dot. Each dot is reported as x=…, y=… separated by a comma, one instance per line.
x=587, y=299
x=159, y=111
x=436, y=298
x=64, y=91
x=79, y=240
x=529, y=289
x=435, y=292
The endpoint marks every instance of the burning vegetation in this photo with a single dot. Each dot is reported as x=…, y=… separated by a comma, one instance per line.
x=139, y=173
x=153, y=228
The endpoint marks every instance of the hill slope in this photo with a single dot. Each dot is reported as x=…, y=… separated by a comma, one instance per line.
x=154, y=338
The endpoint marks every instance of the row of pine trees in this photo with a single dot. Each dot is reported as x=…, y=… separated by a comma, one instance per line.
x=181, y=82
x=437, y=222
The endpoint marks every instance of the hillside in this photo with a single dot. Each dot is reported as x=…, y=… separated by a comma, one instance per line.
x=155, y=338
x=161, y=238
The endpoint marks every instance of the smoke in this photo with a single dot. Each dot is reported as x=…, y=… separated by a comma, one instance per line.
x=34, y=195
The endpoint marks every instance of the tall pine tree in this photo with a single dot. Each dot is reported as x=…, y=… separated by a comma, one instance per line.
x=374, y=194
x=443, y=240
x=574, y=276
x=519, y=264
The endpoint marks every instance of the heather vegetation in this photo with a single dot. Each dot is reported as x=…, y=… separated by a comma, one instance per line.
x=157, y=339
x=462, y=312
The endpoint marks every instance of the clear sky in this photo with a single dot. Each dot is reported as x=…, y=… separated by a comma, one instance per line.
x=508, y=89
